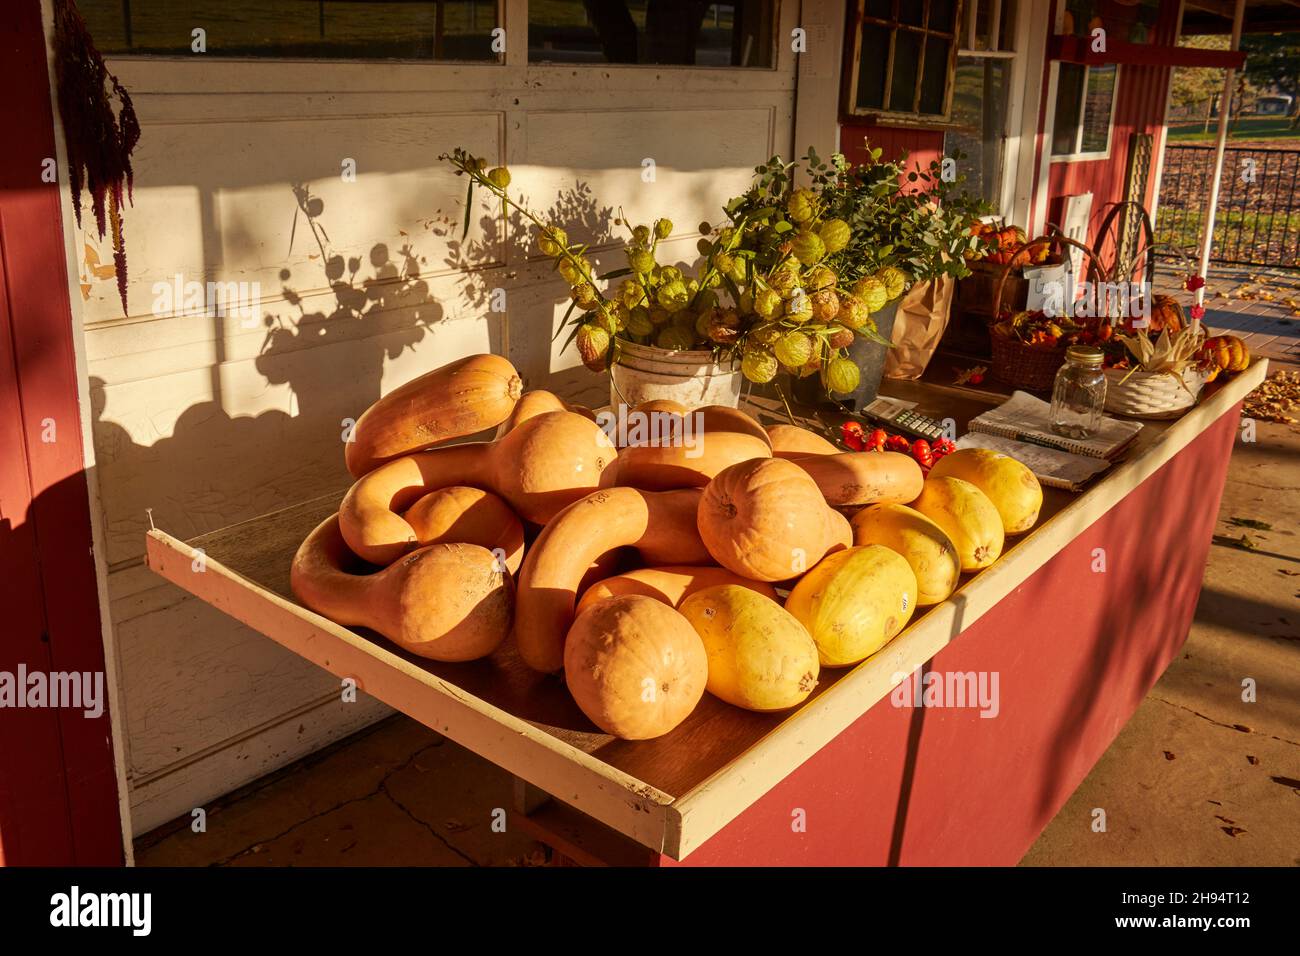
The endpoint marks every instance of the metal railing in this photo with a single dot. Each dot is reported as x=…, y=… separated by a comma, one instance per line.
x=1258, y=219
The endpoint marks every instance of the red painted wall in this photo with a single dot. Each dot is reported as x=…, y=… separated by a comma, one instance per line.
x=58, y=789
x=1139, y=108
x=921, y=145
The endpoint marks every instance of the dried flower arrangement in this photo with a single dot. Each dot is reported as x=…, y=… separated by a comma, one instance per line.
x=99, y=138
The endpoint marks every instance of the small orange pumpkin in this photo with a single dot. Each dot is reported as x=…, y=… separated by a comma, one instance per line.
x=1224, y=353
x=635, y=666
x=1166, y=314
x=766, y=519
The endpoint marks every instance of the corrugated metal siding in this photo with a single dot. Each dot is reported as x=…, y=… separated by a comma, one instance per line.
x=1139, y=108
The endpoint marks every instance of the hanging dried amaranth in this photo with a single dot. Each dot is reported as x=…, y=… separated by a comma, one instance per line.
x=100, y=137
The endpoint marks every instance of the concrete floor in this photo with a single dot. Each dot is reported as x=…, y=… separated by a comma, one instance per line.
x=1197, y=777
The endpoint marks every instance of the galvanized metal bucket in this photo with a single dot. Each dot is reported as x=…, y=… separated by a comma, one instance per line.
x=868, y=355
x=645, y=373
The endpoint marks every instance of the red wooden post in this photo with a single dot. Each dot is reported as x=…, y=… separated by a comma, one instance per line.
x=58, y=790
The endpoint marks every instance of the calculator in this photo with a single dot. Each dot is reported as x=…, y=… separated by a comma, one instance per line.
x=892, y=416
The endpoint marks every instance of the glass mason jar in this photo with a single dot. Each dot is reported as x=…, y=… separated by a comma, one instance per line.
x=1079, y=393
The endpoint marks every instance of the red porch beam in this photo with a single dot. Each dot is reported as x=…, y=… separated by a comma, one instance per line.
x=1076, y=49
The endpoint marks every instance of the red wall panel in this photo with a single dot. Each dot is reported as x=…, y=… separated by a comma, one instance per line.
x=921, y=145
x=58, y=788
x=1139, y=108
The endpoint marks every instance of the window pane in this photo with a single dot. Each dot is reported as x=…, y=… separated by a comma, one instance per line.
x=1007, y=32
x=934, y=79
x=871, y=71
x=941, y=15
x=1065, y=122
x=317, y=29
x=979, y=106
x=983, y=13
x=669, y=32
x=907, y=57
x=883, y=9
x=1096, y=108
x=902, y=70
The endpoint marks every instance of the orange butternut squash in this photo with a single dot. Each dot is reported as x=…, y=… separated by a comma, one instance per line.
x=792, y=441
x=539, y=402
x=458, y=399
x=856, y=478
x=721, y=418
x=447, y=602
x=662, y=405
x=678, y=465
x=669, y=585
x=539, y=468
x=724, y=418
x=766, y=519
x=463, y=515
x=659, y=524
x=687, y=450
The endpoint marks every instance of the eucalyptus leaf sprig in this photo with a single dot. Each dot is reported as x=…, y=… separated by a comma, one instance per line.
x=805, y=257
x=552, y=240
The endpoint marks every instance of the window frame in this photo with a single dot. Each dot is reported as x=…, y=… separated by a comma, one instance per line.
x=774, y=50
x=506, y=11
x=498, y=59
x=1018, y=29
x=1076, y=155
x=857, y=18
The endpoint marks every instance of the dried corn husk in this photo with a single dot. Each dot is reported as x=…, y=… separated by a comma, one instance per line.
x=1170, y=355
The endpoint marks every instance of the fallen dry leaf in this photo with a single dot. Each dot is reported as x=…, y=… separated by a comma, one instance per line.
x=1250, y=523
x=1276, y=399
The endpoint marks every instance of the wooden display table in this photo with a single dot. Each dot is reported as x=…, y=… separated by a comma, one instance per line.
x=1075, y=623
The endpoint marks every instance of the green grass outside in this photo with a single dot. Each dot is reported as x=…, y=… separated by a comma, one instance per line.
x=1276, y=129
x=1229, y=224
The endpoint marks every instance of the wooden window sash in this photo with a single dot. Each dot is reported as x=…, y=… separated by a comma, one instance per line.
x=894, y=26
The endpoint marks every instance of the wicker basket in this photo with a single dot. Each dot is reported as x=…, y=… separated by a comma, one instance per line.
x=1152, y=394
x=977, y=293
x=1024, y=366
x=1018, y=363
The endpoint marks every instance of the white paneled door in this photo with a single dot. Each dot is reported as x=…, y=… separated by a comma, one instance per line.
x=310, y=191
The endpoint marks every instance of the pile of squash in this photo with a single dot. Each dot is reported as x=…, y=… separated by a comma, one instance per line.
x=651, y=573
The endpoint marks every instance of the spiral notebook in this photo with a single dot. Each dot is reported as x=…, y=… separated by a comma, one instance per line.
x=1053, y=467
x=1024, y=418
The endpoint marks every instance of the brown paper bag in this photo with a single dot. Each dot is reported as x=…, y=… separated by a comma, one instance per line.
x=922, y=318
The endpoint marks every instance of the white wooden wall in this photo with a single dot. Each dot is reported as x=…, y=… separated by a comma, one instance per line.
x=208, y=422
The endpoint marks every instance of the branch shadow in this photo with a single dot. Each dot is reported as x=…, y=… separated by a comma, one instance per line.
x=327, y=338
